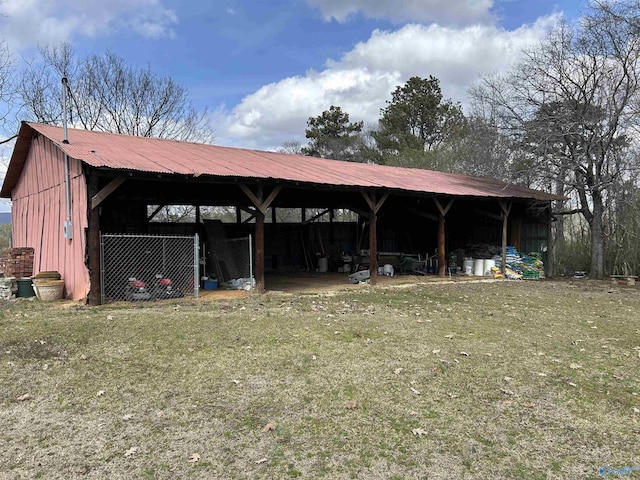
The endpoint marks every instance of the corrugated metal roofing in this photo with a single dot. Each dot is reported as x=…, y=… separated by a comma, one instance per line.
x=123, y=152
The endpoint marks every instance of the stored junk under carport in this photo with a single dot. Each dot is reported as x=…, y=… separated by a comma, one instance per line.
x=65, y=195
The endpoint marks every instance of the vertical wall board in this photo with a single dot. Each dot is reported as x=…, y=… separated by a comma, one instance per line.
x=39, y=210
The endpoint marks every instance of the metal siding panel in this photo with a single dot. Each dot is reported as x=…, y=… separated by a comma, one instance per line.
x=39, y=211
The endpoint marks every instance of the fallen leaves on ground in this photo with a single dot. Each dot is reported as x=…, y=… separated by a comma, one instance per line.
x=262, y=460
x=419, y=432
x=397, y=371
x=194, y=458
x=415, y=391
x=131, y=451
x=23, y=397
x=350, y=404
x=268, y=427
x=100, y=393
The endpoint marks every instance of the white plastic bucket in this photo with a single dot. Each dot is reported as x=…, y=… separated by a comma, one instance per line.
x=467, y=266
x=323, y=264
x=489, y=263
x=478, y=267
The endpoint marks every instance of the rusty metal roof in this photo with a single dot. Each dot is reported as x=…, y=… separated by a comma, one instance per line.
x=123, y=152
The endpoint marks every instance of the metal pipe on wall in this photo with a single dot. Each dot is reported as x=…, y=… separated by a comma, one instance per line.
x=68, y=225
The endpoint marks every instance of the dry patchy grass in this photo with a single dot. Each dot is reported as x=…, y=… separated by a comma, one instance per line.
x=468, y=380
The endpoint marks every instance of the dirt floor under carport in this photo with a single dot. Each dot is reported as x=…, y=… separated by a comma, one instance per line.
x=314, y=282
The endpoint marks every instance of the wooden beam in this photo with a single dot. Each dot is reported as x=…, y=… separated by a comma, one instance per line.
x=259, y=266
x=261, y=208
x=261, y=205
x=155, y=212
x=506, y=209
x=360, y=212
x=442, y=258
x=252, y=215
x=109, y=188
x=272, y=196
x=93, y=246
x=442, y=254
x=375, y=206
x=324, y=212
x=373, y=249
x=443, y=210
x=252, y=196
x=370, y=198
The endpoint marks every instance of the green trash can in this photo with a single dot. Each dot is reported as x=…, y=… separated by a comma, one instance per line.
x=25, y=288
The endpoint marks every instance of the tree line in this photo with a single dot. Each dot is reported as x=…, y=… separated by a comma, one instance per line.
x=563, y=119
x=104, y=94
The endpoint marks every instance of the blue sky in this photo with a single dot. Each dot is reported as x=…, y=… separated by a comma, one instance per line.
x=262, y=67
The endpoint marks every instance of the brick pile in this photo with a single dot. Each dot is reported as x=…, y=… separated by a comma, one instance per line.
x=18, y=262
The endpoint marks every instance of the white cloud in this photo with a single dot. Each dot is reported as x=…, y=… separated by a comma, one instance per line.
x=363, y=79
x=26, y=23
x=456, y=12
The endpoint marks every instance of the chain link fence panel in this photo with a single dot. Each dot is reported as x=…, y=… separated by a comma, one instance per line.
x=230, y=261
x=148, y=267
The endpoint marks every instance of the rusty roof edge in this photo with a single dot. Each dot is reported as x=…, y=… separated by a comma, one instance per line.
x=18, y=159
x=507, y=190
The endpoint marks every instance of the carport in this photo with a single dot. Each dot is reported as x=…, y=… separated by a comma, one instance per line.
x=65, y=195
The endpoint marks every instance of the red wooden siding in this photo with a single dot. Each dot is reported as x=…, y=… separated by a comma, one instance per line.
x=39, y=213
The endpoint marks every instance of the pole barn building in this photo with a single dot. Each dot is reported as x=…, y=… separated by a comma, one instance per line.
x=66, y=195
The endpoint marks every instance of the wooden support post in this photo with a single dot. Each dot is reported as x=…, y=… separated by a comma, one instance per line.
x=442, y=254
x=259, y=266
x=506, y=208
x=442, y=259
x=197, y=214
x=373, y=249
x=370, y=198
x=93, y=246
x=261, y=208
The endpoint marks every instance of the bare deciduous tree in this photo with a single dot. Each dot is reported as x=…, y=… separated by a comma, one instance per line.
x=572, y=103
x=109, y=95
x=6, y=82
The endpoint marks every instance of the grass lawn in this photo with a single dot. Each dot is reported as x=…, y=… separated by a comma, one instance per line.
x=458, y=380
